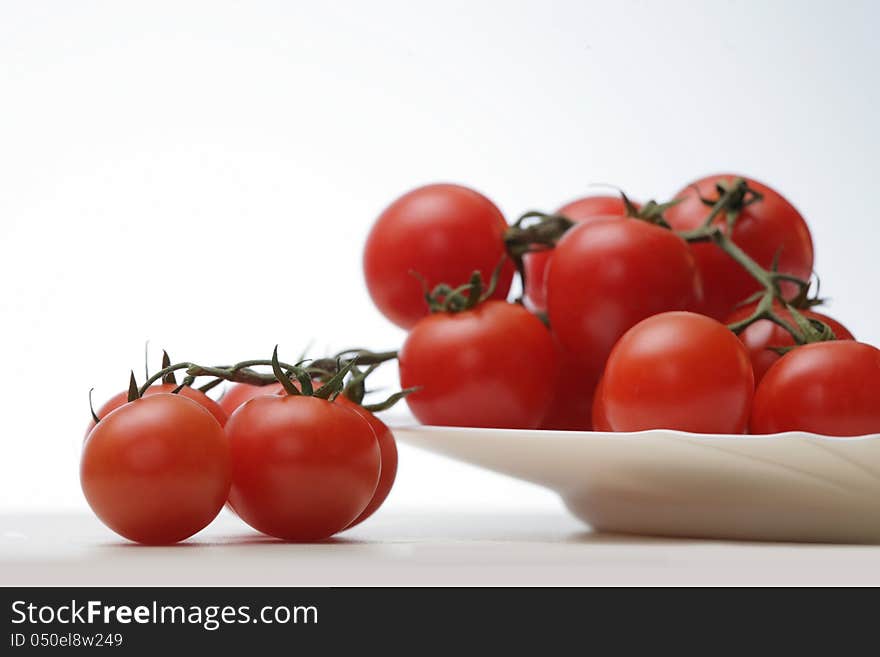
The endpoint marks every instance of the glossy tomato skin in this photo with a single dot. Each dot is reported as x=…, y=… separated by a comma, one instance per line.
x=238, y=393
x=156, y=470
x=763, y=228
x=121, y=398
x=582, y=210
x=484, y=367
x=678, y=370
x=763, y=334
x=827, y=388
x=442, y=232
x=600, y=418
x=303, y=468
x=388, y=457
x=607, y=275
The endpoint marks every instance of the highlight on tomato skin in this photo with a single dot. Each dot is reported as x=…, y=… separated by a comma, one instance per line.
x=437, y=233
x=766, y=229
x=156, y=470
x=827, y=388
x=484, y=367
x=678, y=370
x=760, y=337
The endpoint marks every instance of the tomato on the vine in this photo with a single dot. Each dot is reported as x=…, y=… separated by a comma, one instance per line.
x=439, y=232
x=760, y=337
x=388, y=457
x=156, y=470
x=607, y=275
x=238, y=393
x=767, y=229
x=535, y=264
x=678, y=370
x=303, y=468
x=121, y=398
x=828, y=388
x=483, y=367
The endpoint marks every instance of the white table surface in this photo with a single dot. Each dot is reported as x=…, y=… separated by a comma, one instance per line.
x=429, y=548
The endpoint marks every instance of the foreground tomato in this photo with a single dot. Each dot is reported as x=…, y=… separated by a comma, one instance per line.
x=197, y=396
x=762, y=335
x=238, y=393
x=762, y=229
x=156, y=470
x=678, y=370
x=828, y=388
x=485, y=367
x=303, y=468
x=582, y=210
x=441, y=232
x=609, y=274
x=388, y=457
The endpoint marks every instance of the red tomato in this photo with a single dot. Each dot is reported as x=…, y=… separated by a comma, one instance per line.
x=762, y=229
x=388, y=452
x=762, y=335
x=828, y=388
x=238, y=393
x=156, y=470
x=121, y=398
x=607, y=275
x=303, y=468
x=678, y=370
x=535, y=264
x=600, y=418
x=570, y=407
x=443, y=233
x=484, y=367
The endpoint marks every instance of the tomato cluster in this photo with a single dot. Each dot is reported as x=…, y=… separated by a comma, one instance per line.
x=297, y=459
x=692, y=315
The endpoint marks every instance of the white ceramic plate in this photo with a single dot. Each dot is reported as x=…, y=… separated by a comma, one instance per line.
x=786, y=487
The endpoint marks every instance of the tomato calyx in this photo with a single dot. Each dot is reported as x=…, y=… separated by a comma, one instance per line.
x=733, y=195
x=444, y=298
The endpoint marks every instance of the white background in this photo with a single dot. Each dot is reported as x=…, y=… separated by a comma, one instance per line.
x=202, y=174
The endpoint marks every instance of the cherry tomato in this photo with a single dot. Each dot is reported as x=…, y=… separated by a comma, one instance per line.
x=388, y=457
x=484, y=367
x=678, y=370
x=238, y=393
x=121, y=398
x=609, y=274
x=441, y=232
x=827, y=388
x=600, y=418
x=582, y=210
x=571, y=406
x=156, y=470
x=303, y=468
x=762, y=229
x=762, y=335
